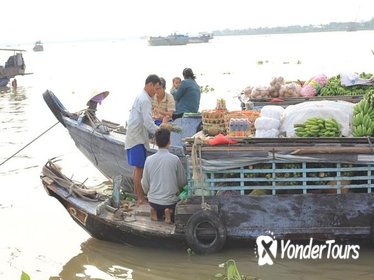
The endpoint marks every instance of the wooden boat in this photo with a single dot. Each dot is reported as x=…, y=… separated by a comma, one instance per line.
x=297, y=188
x=38, y=47
x=14, y=66
x=170, y=40
x=103, y=142
x=222, y=210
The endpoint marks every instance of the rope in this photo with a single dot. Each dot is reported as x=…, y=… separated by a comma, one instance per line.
x=28, y=144
x=197, y=170
x=52, y=171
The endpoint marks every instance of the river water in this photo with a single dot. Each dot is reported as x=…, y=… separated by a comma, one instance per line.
x=38, y=236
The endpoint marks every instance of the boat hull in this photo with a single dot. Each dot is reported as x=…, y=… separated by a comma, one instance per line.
x=293, y=217
x=171, y=40
x=106, y=153
x=106, y=227
x=4, y=82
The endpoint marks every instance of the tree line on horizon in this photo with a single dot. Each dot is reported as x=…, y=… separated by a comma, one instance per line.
x=332, y=26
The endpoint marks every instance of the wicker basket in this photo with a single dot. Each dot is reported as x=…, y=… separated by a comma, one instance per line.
x=214, y=122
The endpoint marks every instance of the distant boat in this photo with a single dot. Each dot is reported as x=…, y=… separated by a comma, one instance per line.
x=38, y=47
x=201, y=38
x=14, y=66
x=170, y=40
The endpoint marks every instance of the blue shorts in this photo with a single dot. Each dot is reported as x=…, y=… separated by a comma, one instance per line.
x=136, y=155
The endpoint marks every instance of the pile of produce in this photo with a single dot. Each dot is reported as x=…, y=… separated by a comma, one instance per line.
x=363, y=116
x=290, y=90
x=319, y=85
x=334, y=87
x=314, y=85
x=265, y=92
x=275, y=86
x=318, y=127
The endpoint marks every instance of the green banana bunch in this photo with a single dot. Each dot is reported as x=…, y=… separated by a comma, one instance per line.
x=334, y=87
x=363, y=119
x=369, y=96
x=364, y=107
x=318, y=127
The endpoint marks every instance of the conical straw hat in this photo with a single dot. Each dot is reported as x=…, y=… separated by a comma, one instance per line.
x=98, y=95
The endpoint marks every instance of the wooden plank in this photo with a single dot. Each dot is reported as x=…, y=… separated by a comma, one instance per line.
x=13, y=50
x=297, y=214
x=309, y=141
x=291, y=150
x=296, y=100
x=188, y=209
x=47, y=180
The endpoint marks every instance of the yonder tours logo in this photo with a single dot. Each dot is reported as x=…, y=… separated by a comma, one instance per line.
x=267, y=248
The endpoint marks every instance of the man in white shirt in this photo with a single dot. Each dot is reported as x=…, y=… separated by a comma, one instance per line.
x=139, y=126
x=163, y=178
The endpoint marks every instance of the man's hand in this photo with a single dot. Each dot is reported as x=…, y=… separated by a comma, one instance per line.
x=165, y=123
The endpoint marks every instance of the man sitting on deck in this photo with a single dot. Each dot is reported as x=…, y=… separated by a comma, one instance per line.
x=163, y=178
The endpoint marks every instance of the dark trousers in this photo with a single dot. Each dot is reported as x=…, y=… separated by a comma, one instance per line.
x=160, y=209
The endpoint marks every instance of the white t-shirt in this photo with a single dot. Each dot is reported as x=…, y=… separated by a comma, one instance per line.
x=140, y=123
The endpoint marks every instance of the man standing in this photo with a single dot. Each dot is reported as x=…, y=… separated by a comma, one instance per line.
x=139, y=125
x=163, y=178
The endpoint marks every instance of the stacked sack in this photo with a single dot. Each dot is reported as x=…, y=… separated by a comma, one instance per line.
x=267, y=125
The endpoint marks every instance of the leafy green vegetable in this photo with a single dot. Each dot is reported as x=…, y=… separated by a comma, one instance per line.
x=25, y=276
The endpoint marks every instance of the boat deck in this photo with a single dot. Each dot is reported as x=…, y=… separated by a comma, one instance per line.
x=132, y=218
x=139, y=218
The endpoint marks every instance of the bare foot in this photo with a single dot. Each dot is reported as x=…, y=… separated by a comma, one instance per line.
x=168, y=215
x=153, y=214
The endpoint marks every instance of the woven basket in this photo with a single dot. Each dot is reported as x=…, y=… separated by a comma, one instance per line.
x=214, y=122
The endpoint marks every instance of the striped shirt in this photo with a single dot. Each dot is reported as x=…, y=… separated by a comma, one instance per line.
x=166, y=104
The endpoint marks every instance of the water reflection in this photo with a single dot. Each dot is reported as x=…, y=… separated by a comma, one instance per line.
x=100, y=260
x=109, y=261
x=106, y=260
x=17, y=94
x=13, y=93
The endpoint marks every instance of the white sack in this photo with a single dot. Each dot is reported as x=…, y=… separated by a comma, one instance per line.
x=265, y=123
x=272, y=111
x=341, y=111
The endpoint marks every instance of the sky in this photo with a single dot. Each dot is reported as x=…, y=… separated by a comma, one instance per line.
x=57, y=20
